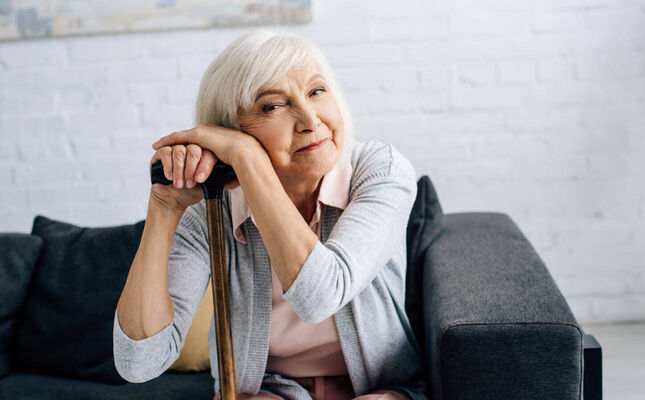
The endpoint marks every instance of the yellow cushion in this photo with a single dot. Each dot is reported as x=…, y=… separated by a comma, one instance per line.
x=194, y=356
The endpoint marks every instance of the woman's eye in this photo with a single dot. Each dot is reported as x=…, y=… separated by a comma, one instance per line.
x=268, y=107
x=319, y=89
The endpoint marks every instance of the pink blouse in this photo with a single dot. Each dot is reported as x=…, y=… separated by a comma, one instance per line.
x=309, y=353
x=297, y=349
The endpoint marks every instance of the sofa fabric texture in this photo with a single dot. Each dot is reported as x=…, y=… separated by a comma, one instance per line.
x=77, y=282
x=18, y=255
x=497, y=325
x=424, y=226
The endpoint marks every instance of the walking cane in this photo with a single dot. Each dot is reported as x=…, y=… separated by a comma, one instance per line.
x=213, y=189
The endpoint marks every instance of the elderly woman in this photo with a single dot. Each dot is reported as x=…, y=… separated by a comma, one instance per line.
x=315, y=227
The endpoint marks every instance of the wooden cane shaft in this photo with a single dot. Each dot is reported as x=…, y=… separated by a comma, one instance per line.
x=219, y=280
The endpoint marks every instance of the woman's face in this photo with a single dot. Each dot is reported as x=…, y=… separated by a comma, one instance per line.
x=295, y=112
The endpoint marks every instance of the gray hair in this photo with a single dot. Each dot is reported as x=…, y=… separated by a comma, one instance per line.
x=257, y=60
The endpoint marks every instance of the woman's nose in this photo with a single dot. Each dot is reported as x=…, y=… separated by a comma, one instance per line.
x=307, y=119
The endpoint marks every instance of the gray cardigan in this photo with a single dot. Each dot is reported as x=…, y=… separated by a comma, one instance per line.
x=355, y=273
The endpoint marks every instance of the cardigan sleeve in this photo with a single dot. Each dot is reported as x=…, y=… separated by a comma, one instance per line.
x=364, y=238
x=139, y=361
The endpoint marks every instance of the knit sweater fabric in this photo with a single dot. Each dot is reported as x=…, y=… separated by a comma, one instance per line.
x=356, y=273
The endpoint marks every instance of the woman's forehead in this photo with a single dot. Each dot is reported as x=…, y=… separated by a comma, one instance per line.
x=302, y=75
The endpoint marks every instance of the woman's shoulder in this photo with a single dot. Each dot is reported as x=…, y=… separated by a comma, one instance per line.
x=372, y=157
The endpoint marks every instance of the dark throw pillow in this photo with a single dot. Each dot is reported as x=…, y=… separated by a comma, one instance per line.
x=424, y=226
x=69, y=311
x=18, y=255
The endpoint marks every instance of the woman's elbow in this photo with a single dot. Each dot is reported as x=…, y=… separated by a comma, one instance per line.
x=131, y=373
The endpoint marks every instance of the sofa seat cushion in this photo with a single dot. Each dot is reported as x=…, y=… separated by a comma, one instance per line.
x=18, y=255
x=32, y=385
x=69, y=311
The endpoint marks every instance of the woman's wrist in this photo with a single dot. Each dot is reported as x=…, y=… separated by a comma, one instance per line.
x=247, y=156
x=158, y=209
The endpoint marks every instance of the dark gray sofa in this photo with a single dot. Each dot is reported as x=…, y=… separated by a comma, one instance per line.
x=488, y=315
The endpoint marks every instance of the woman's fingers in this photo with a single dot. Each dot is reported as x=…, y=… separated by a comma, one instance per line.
x=178, y=163
x=181, y=137
x=165, y=155
x=193, y=156
x=205, y=166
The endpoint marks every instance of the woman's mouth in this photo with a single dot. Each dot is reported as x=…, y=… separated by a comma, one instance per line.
x=314, y=146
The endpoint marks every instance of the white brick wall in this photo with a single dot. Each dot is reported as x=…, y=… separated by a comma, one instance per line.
x=535, y=109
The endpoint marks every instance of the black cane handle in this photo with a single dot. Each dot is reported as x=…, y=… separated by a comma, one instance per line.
x=213, y=186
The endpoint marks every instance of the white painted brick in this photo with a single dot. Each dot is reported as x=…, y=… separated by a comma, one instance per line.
x=365, y=54
x=602, y=41
x=383, y=9
x=486, y=98
x=395, y=102
x=600, y=283
x=437, y=77
x=538, y=46
x=168, y=117
x=138, y=71
x=508, y=23
x=554, y=69
x=8, y=151
x=351, y=33
x=134, y=145
x=194, y=67
x=477, y=74
x=625, y=307
x=147, y=93
x=580, y=5
x=181, y=92
x=86, y=147
x=29, y=53
x=593, y=67
x=68, y=193
x=21, y=77
x=104, y=49
x=631, y=17
x=26, y=102
x=513, y=72
x=7, y=175
x=13, y=125
x=479, y=6
x=35, y=147
x=556, y=22
x=46, y=172
x=544, y=124
x=407, y=29
x=628, y=65
x=122, y=191
x=69, y=76
x=103, y=122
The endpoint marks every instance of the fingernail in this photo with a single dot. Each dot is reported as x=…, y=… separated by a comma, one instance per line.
x=180, y=183
x=201, y=176
x=189, y=184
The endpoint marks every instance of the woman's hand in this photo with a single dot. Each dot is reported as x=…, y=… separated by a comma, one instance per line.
x=187, y=165
x=226, y=144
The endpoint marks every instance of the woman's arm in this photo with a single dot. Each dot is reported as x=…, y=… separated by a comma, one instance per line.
x=319, y=279
x=185, y=273
x=145, y=307
x=287, y=237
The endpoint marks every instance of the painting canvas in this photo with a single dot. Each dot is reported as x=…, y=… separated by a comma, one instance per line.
x=24, y=19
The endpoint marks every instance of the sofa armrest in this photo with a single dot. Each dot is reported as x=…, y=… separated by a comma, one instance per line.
x=496, y=326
